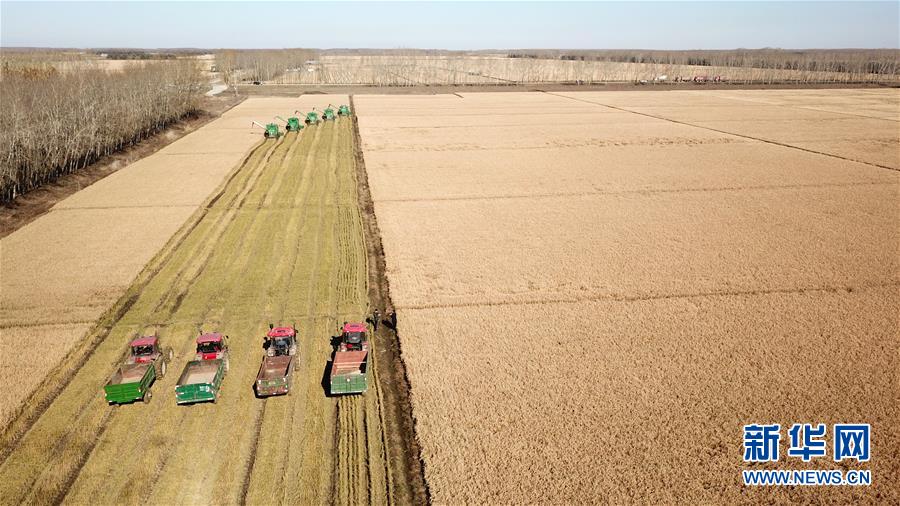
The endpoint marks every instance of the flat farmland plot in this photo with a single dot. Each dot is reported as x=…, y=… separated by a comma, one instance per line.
x=597, y=290
x=855, y=127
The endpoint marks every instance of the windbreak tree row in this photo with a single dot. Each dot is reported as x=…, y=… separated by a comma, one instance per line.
x=55, y=123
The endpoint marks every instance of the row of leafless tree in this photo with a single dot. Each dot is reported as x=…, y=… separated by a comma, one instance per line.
x=239, y=66
x=865, y=63
x=53, y=123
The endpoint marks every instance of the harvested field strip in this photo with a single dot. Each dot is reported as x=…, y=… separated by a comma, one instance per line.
x=282, y=243
x=755, y=138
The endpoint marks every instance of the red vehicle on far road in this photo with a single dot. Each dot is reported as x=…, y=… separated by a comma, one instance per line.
x=212, y=346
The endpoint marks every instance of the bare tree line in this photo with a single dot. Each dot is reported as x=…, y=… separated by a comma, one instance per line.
x=54, y=123
x=867, y=64
x=239, y=66
x=418, y=67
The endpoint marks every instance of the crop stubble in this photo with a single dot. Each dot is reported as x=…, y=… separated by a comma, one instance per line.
x=282, y=243
x=593, y=304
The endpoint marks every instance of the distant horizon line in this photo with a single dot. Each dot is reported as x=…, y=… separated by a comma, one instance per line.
x=190, y=48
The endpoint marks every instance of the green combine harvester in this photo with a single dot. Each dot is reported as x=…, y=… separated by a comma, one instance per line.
x=270, y=130
x=312, y=117
x=328, y=114
x=344, y=110
x=291, y=124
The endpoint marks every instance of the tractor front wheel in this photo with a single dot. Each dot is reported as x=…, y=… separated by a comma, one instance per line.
x=163, y=367
x=169, y=354
x=226, y=364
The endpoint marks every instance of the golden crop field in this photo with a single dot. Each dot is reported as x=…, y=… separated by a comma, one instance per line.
x=280, y=241
x=596, y=291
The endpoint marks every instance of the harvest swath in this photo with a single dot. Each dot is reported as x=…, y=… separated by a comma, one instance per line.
x=282, y=241
x=597, y=290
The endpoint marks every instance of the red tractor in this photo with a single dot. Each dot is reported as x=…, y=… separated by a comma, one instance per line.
x=146, y=350
x=353, y=337
x=281, y=341
x=212, y=346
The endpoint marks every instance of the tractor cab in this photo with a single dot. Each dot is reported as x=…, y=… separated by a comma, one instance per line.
x=344, y=110
x=353, y=337
x=144, y=350
x=211, y=346
x=281, y=341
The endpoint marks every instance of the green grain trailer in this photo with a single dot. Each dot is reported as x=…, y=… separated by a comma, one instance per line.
x=130, y=383
x=200, y=381
x=291, y=124
x=349, y=365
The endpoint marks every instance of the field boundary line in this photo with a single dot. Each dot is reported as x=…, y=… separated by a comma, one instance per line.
x=639, y=192
x=672, y=296
x=759, y=139
x=407, y=472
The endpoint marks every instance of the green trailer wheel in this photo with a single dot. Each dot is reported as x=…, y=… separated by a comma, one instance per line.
x=147, y=396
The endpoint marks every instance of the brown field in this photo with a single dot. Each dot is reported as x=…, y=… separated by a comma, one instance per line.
x=407, y=70
x=597, y=290
x=98, y=240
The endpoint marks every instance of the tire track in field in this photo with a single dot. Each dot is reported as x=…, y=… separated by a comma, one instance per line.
x=186, y=347
x=288, y=495
x=239, y=264
x=46, y=482
x=358, y=483
x=206, y=248
x=405, y=468
x=263, y=252
x=305, y=173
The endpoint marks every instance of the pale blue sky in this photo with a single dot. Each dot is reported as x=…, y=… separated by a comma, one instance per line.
x=602, y=25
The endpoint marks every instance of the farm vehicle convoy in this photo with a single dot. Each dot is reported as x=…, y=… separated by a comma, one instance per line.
x=202, y=377
x=293, y=123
